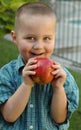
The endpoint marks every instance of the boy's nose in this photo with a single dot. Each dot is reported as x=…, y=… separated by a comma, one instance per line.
x=38, y=45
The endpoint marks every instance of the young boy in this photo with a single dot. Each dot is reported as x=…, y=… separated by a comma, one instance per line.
x=25, y=105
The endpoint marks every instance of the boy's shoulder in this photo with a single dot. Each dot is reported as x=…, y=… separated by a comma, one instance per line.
x=70, y=83
x=9, y=65
x=68, y=73
x=8, y=69
x=15, y=64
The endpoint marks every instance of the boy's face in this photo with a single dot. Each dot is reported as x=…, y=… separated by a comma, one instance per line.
x=35, y=37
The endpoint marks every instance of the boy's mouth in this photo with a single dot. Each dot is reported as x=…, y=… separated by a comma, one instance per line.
x=37, y=54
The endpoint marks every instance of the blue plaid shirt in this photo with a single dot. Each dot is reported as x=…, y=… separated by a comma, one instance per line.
x=36, y=115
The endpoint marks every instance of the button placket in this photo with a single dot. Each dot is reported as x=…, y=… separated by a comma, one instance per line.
x=31, y=105
x=31, y=127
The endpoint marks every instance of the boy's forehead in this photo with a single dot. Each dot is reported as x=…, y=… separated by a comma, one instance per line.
x=28, y=16
x=27, y=20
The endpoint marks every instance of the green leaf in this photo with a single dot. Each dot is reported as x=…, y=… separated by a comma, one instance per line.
x=14, y=6
x=4, y=16
x=5, y=2
x=9, y=26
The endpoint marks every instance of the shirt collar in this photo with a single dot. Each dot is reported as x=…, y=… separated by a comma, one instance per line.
x=20, y=64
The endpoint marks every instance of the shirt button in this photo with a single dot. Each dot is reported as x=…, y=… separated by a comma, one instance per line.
x=31, y=105
x=31, y=127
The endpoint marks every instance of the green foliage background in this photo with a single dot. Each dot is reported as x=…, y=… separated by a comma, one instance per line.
x=7, y=14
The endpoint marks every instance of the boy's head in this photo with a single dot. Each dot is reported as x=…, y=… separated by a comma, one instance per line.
x=35, y=27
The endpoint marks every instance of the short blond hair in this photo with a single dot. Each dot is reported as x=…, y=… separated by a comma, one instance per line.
x=33, y=8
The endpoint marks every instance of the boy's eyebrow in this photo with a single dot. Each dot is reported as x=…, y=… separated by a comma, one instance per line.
x=38, y=34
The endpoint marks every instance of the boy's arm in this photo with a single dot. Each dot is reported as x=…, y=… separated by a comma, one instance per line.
x=59, y=105
x=16, y=104
x=59, y=99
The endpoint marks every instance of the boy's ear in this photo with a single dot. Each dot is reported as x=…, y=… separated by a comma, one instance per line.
x=13, y=35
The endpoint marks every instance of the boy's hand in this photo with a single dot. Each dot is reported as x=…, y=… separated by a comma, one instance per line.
x=59, y=75
x=28, y=71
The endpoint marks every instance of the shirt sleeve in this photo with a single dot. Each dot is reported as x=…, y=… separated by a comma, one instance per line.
x=6, y=84
x=72, y=93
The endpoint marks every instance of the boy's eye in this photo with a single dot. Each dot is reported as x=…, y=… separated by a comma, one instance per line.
x=47, y=38
x=30, y=38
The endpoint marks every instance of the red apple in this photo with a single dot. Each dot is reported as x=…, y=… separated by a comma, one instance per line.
x=43, y=71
